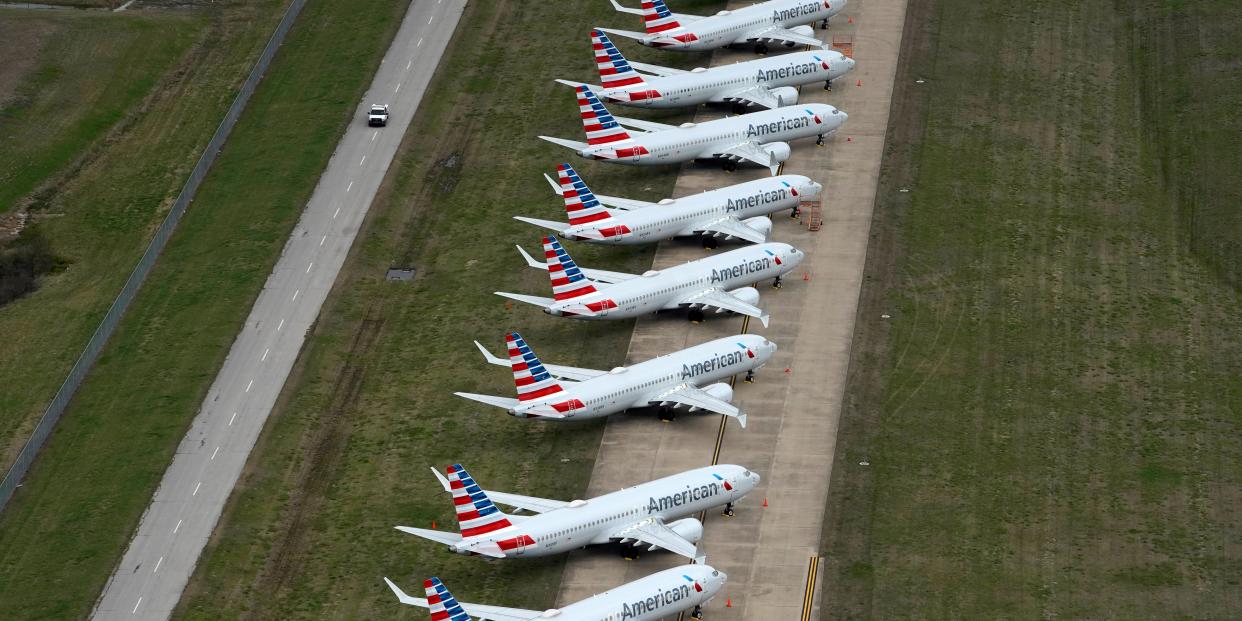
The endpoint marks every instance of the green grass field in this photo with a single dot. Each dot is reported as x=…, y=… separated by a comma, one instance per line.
x=309, y=533
x=67, y=526
x=1050, y=418
x=100, y=183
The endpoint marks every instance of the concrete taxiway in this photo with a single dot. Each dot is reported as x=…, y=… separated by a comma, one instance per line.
x=770, y=553
x=183, y=512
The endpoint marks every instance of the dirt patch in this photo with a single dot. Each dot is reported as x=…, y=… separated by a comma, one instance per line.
x=21, y=42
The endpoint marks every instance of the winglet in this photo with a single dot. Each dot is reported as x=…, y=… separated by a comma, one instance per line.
x=491, y=359
x=764, y=318
x=443, y=481
x=741, y=417
x=621, y=9
x=401, y=595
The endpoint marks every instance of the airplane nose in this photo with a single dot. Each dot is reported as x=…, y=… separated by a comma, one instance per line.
x=814, y=188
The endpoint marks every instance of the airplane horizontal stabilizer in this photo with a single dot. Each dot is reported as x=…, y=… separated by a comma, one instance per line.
x=564, y=142
x=529, y=299
x=433, y=535
x=547, y=224
x=625, y=33
x=594, y=88
x=507, y=403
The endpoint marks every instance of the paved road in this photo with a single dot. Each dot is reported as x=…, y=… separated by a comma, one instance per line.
x=150, y=578
x=768, y=552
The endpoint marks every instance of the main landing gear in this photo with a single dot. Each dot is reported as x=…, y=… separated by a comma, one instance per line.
x=666, y=414
x=730, y=166
x=695, y=315
x=728, y=510
x=710, y=242
x=630, y=552
x=761, y=49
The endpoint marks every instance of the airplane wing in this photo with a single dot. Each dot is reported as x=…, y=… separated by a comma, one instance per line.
x=655, y=69
x=698, y=399
x=758, y=95
x=751, y=152
x=779, y=35
x=729, y=227
x=647, y=126
x=530, y=503
x=724, y=301
x=599, y=276
x=576, y=374
x=478, y=611
x=653, y=532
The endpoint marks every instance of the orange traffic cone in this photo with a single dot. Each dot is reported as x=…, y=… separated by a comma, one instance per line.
x=850, y=20
x=765, y=502
x=849, y=139
x=806, y=275
x=787, y=371
x=433, y=523
x=858, y=83
x=729, y=602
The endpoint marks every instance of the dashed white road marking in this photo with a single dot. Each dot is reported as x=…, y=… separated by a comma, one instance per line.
x=310, y=266
x=398, y=89
x=407, y=66
x=135, y=610
x=420, y=43
x=177, y=527
x=213, y=456
x=265, y=353
x=337, y=213
x=282, y=324
x=250, y=385
x=325, y=238
x=374, y=135
x=430, y=18
x=348, y=187
x=364, y=160
x=157, y=565
x=200, y=484
x=295, y=294
x=232, y=418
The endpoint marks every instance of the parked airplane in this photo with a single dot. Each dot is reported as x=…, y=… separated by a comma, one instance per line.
x=721, y=281
x=768, y=82
x=775, y=21
x=756, y=137
x=736, y=211
x=657, y=596
x=690, y=378
x=654, y=514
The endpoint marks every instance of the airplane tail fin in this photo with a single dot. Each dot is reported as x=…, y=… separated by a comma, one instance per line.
x=657, y=17
x=614, y=71
x=567, y=280
x=532, y=380
x=597, y=121
x=476, y=514
x=441, y=603
x=580, y=203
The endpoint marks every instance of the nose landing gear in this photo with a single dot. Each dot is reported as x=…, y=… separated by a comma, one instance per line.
x=819, y=140
x=697, y=614
x=776, y=284
x=750, y=377
x=728, y=510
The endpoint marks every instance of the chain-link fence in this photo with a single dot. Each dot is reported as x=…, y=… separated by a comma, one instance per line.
x=12, y=479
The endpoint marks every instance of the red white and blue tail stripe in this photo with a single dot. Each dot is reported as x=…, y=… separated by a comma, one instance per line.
x=441, y=603
x=597, y=122
x=657, y=17
x=567, y=280
x=614, y=71
x=476, y=515
x=532, y=380
x=580, y=204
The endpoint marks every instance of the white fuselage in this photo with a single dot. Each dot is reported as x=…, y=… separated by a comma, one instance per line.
x=638, y=385
x=658, y=596
x=686, y=215
x=667, y=288
x=743, y=25
x=597, y=520
x=715, y=138
x=719, y=84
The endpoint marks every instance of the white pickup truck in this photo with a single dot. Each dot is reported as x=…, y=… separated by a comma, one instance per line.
x=378, y=116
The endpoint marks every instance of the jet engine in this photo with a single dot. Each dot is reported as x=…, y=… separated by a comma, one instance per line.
x=689, y=529
x=786, y=95
x=803, y=30
x=779, y=150
x=720, y=391
x=763, y=224
x=749, y=295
